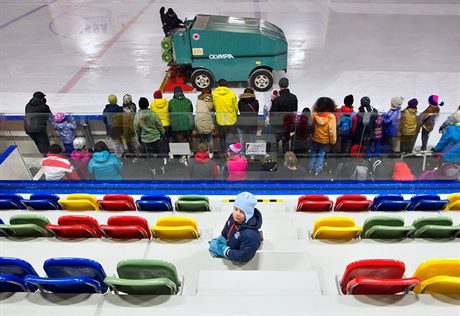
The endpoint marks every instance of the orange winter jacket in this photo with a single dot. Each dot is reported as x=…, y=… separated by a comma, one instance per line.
x=325, y=128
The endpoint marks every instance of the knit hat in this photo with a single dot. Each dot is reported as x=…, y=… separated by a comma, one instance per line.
x=275, y=94
x=435, y=100
x=39, y=95
x=246, y=202
x=178, y=92
x=157, y=95
x=349, y=100
x=365, y=102
x=412, y=103
x=112, y=99
x=235, y=148
x=396, y=102
x=143, y=103
x=100, y=146
x=127, y=99
x=283, y=83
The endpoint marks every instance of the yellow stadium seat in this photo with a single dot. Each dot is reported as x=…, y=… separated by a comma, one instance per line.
x=175, y=227
x=336, y=227
x=454, y=202
x=79, y=202
x=434, y=268
x=440, y=285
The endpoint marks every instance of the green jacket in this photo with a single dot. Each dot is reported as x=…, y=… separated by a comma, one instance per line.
x=181, y=110
x=147, y=126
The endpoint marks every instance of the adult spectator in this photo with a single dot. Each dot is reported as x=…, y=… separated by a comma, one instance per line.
x=160, y=106
x=226, y=107
x=363, y=123
x=129, y=110
x=181, y=110
x=35, y=121
x=57, y=167
x=204, y=123
x=202, y=166
x=248, y=106
x=113, y=120
x=103, y=165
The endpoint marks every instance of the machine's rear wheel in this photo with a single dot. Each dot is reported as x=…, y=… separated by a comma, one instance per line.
x=202, y=79
x=261, y=80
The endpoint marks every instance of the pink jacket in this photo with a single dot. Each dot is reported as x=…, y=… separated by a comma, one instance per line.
x=80, y=160
x=237, y=167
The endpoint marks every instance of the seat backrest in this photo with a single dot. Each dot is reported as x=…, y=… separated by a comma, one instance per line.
x=335, y=221
x=11, y=201
x=74, y=267
x=78, y=205
x=392, y=197
x=38, y=220
x=419, y=197
x=16, y=267
x=14, y=197
x=389, y=202
x=313, y=197
x=171, y=221
x=128, y=221
x=147, y=269
x=373, y=268
x=42, y=205
x=382, y=221
x=437, y=267
x=349, y=197
x=164, y=198
x=124, y=198
x=52, y=197
x=154, y=203
x=192, y=197
x=79, y=220
x=432, y=220
x=82, y=196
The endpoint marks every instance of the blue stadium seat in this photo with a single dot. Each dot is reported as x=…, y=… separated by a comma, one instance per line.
x=389, y=203
x=12, y=273
x=43, y=202
x=11, y=202
x=71, y=275
x=426, y=202
x=154, y=203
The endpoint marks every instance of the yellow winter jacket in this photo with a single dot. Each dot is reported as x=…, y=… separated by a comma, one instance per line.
x=225, y=105
x=161, y=108
x=325, y=128
x=408, y=123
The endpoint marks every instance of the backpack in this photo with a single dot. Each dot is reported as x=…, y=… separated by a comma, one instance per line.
x=378, y=127
x=361, y=172
x=345, y=125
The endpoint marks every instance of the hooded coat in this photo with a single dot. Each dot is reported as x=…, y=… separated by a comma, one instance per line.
x=181, y=110
x=392, y=121
x=409, y=121
x=203, y=118
x=37, y=114
x=148, y=126
x=66, y=129
x=429, y=116
x=161, y=108
x=243, y=239
x=105, y=166
x=226, y=106
x=449, y=144
x=325, y=130
x=113, y=120
x=249, y=109
x=202, y=167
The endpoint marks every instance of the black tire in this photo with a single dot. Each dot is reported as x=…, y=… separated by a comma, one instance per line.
x=202, y=79
x=261, y=80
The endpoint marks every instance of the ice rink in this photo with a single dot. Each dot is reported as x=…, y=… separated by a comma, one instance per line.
x=78, y=52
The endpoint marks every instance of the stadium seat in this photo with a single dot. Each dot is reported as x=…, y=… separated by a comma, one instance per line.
x=126, y=227
x=435, y=227
x=75, y=226
x=42, y=202
x=454, y=202
x=314, y=203
x=192, y=203
x=79, y=202
x=439, y=276
x=12, y=273
x=11, y=202
x=71, y=275
x=426, y=202
x=145, y=277
x=376, y=276
x=385, y=227
x=352, y=203
x=154, y=203
x=175, y=227
x=117, y=202
x=389, y=203
x=26, y=225
x=336, y=227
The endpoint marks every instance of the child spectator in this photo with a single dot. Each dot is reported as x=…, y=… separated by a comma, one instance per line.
x=236, y=166
x=428, y=118
x=65, y=125
x=160, y=106
x=240, y=237
x=449, y=145
x=290, y=170
x=181, y=110
x=345, y=128
x=391, y=125
x=57, y=167
x=364, y=123
x=374, y=148
x=129, y=110
x=409, y=128
x=449, y=121
x=80, y=157
x=113, y=120
x=248, y=106
x=103, y=165
x=325, y=132
x=202, y=166
x=203, y=118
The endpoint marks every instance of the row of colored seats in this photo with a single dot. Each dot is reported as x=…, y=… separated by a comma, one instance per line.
x=81, y=275
x=385, y=202
x=117, y=227
x=384, y=227
x=385, y=276
x=110, y=202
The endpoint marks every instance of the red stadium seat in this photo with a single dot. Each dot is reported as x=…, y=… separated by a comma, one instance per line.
x=314, y=203
x=117, y=202
x=372, y=286
x=126, y=227
x=81, y=220
x=352, y=203
x=72, y=231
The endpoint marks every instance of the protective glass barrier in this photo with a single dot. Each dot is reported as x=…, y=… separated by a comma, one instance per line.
x=208, y=145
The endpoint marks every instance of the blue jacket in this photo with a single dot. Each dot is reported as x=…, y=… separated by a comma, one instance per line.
x=243, y=239
x=112, y=120
x=105, y=166
x=66, y=129
x=391, y=122
x=450, y=143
